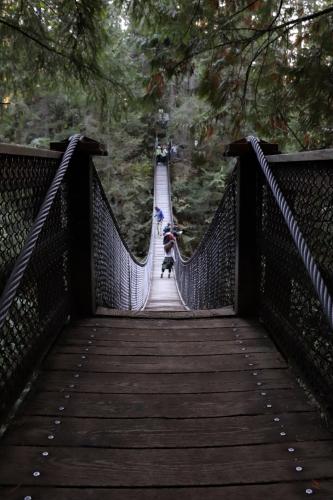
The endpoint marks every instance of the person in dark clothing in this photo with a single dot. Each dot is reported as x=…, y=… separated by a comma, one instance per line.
x=169, y=254
x=167, y=228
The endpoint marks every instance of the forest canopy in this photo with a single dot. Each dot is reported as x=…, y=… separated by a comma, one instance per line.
x=218, y=69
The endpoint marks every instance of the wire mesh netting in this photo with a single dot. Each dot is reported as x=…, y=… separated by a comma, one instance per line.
x=207, y=279
x=41, y=303
x=289, y=305
x=122, y=282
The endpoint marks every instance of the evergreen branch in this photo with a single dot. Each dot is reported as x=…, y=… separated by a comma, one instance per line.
x=277, y=14
x=32, y=37
x=240, y=11
x=81, y=66
x=265, y=45
x=299, y=20
x=291, y=130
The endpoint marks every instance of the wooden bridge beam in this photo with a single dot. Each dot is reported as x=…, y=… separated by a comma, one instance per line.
x=80, y=178
x=246, y=266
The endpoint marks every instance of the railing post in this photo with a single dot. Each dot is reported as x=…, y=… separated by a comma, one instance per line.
x=80, y=196
x=247, y=206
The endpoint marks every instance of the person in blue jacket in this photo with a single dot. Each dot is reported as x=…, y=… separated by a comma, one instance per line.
x=159, y=219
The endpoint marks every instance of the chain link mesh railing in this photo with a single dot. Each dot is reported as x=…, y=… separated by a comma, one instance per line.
x=207, y=279
x=41, y=303
x=122, y=282
x=289, y=305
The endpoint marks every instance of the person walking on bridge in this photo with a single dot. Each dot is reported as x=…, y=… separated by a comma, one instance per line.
x=164, y=155
x=159, y=219
x=158, y=153
x=169, y=254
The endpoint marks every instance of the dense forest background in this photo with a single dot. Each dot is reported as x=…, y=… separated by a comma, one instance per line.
x=201, y=73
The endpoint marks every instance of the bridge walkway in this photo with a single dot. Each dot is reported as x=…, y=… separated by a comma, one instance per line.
x=166, y=409
x=163, y=295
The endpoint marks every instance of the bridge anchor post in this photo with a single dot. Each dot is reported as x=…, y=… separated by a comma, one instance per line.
x=81, y=259
x=247, y=271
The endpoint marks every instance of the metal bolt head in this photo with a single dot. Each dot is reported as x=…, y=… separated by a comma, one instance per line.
x=76, y=375
x=250, y=364
x=255, y=374
x=309, y=491
x=276, y=419
x=269, y=405
x=57, y=422
x=50, y=436
x=299, y=468
x=61, y=408
x=283, y=433
x=28, y=497
x=83, y=357
x=263, y=393
x=291, y=450
x=71, y=386
x=45, y=453
x=67, y=396
x=79, y=365
x=36, y=473
x=89, y=342
x=259, y=383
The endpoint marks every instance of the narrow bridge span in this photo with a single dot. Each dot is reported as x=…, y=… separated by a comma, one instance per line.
x=124, y=403
x=164, y=295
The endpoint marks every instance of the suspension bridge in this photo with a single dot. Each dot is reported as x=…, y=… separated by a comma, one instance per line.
x=212, y=384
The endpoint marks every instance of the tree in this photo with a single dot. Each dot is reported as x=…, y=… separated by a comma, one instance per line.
x=251, y=59
x=52, y=43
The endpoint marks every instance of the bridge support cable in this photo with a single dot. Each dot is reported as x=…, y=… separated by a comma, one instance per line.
x=22, y=261
x=121, y=280
x=299, y=240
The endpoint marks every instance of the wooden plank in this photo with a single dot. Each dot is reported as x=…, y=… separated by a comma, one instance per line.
x=303, y=156
x=88, y=467
x=166, y=405
x=189, y=313
x=118, y=348
x=165, y=433
x=165, y=383
x=168, y=324
x=138, y=335
x=18, y=150
x=273, y=491
x=162, y=364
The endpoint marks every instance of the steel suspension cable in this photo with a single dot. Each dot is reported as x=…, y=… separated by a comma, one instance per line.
x=23, y=259
x=303, y=249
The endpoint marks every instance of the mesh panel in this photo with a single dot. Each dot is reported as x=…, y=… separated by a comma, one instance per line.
x=121, y=281
x=289, y=304
x=207, y=280
x=40, y=306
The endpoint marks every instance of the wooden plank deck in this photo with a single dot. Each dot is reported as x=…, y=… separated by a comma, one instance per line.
x=157, y=409
x=164, y=294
